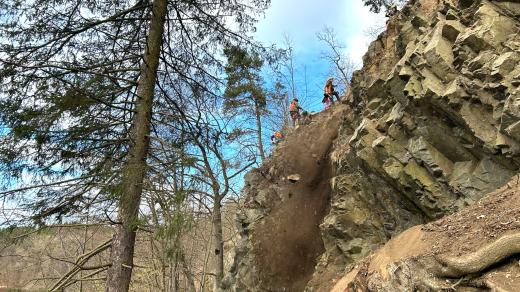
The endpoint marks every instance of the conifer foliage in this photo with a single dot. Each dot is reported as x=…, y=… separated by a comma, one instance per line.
x=87, y=91
x=376, y=5
x=244, y=86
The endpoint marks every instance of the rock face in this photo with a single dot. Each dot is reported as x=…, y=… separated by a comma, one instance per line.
x=471, y=250
x=430, y=125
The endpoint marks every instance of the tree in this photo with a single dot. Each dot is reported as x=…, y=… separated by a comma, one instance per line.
x=219, y=157
x=335, y=55
x=244, y=86
x=133, y=171
x=376, y=5
x=279, y=108
x=288, y=62
x=84, y=85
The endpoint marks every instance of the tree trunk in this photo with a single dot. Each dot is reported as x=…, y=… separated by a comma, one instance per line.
x=218, y=244
x=122, y=253
x=259, y=131
x=190, y=281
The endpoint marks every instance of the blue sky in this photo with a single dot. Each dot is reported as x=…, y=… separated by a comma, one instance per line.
x=301, y=20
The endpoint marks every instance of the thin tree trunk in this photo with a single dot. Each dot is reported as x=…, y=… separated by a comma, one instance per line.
x=291, y=72
x=259, y=131
x=190, y=282
x=206, y=260
x=122, y=253
x=218, y=244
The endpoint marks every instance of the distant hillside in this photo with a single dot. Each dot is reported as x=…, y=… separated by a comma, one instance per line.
x=35, y=261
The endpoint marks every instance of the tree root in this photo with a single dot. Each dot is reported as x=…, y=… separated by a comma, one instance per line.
x=435, y=284
x=442, y=273
x=456, y=267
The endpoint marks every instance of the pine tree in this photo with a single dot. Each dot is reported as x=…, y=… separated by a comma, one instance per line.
x=375, y=5
x=244, y=87
x=85, y=88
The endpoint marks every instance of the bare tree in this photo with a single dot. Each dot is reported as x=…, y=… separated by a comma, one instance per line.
x=336, y=56
x=221, y=159
x=289, y=64
x=373, y=31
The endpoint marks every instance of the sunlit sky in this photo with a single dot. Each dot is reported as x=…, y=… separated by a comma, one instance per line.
x=302, y=20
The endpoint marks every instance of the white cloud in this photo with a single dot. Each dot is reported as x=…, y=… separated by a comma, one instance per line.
x=301, y=20
x=359, y=20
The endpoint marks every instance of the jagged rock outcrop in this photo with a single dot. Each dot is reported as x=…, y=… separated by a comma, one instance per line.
x=279, y=224
x=471, y=250
x=431, y=125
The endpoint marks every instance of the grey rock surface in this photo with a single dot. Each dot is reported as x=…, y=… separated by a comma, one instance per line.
x=440, y=129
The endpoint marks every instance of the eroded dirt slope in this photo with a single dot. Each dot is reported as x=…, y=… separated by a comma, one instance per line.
x=281, y=238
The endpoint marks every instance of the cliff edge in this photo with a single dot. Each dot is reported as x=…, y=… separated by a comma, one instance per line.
x=430, y=125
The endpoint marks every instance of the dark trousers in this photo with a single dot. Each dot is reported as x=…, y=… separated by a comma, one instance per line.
x=295, y=116
x=334, y=93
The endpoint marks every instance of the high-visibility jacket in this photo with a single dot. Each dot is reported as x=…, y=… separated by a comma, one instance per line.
x=277, y=134
x=329, y=88
x=294, y=107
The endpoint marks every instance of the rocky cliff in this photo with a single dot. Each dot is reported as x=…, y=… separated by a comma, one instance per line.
x=430, y=125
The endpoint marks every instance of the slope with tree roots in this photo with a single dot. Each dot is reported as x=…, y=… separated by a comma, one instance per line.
x=477, y=248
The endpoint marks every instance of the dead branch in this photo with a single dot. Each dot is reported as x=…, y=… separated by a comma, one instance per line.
x=80, y=262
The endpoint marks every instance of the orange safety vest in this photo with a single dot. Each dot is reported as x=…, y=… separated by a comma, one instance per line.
x=277, y=134
x=329, y=88
x=294, y=106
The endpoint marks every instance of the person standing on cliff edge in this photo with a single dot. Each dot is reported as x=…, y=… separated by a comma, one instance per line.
x=294, y=110
x=329, y=91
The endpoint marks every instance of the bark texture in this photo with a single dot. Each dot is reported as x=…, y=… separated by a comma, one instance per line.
x=122, y=252
x=504, y=247
x=218, y=244
x=259, y=131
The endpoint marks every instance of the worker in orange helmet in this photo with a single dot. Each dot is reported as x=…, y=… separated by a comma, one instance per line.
x=329, y=89
x=294, y=110
x=276, y=137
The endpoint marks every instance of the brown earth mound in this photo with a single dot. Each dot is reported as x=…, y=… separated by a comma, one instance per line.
x=287, y=243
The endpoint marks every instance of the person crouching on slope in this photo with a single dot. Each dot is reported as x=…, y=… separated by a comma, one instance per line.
x=329, y=89
x=276, y=137
x=294, y=110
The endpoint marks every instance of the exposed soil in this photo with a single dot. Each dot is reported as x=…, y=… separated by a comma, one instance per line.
x=407, y=244
x=288, y=242
x=493, y=216
x=453, y=236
